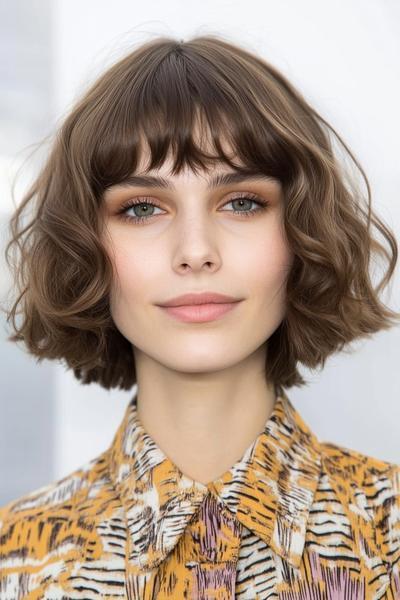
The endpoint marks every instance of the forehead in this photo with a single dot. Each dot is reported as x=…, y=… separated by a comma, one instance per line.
x=202, y=137
x=211, y=173
x=217, y=173
x=185, y=173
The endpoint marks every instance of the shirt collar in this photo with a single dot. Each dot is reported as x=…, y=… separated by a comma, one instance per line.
x=281, y=468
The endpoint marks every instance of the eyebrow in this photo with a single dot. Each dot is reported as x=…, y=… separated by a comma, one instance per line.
x=220, y=179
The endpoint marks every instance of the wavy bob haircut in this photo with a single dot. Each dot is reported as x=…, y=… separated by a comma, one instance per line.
x=157, y=93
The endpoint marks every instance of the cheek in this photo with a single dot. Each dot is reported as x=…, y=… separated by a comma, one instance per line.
x=135, y=271
x=128, y=273
x=268, y=282
x=268, y=262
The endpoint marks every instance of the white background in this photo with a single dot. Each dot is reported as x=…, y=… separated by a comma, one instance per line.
x=343, y=56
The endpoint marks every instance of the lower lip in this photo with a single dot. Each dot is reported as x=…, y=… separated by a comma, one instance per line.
x=199, y=313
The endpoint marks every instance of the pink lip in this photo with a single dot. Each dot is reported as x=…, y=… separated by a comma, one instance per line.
x=199, y=313
x=199, y=298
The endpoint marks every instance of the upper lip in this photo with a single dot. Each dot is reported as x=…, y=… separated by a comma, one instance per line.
x=199, y=298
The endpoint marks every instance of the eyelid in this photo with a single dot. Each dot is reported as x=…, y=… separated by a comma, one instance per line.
x=236, y=194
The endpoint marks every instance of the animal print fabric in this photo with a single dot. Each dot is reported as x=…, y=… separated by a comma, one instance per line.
x=293, y=519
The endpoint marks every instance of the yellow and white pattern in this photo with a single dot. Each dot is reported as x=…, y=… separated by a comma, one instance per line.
x=294, y=519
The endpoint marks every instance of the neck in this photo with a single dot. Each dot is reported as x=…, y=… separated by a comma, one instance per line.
x=203, y=424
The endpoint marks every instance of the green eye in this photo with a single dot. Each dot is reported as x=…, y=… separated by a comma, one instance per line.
x=241, y=201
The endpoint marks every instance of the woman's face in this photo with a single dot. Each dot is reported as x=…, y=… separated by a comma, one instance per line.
x=192, y=241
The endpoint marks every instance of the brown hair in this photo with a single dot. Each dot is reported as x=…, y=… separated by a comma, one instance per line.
x=63, y=272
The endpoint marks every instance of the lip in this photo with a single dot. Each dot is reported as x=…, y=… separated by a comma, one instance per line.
x=200, y=313
x=199, y=298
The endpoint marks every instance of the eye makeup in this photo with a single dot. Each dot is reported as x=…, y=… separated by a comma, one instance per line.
x=241, y=198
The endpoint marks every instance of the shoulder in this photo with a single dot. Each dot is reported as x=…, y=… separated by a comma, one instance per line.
x=352, y=470
x=348, y=462
x=44, y=530
x=377, y=480
x=59, y=496
x=370, y=489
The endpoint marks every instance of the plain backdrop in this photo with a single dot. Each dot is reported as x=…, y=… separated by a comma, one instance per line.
x=343, y=56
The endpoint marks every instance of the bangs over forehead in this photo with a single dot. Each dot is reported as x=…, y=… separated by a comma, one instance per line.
x=197, y=104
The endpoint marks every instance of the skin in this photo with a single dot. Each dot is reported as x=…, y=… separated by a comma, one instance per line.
x=202, y=392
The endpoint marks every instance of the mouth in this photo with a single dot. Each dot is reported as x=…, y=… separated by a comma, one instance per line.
x=200, y=313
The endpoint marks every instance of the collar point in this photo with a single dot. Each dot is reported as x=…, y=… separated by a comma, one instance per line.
x=288, y=540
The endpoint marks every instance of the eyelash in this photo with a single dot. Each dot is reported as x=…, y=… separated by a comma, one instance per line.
x=262, y=205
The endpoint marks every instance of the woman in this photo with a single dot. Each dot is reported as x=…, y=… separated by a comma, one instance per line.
x=195, y=235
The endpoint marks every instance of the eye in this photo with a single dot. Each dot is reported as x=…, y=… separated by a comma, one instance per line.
x=246, y=200
x=143, y=204
x=243, y=202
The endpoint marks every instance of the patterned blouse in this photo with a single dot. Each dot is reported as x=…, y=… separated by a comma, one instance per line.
x=293, y=519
